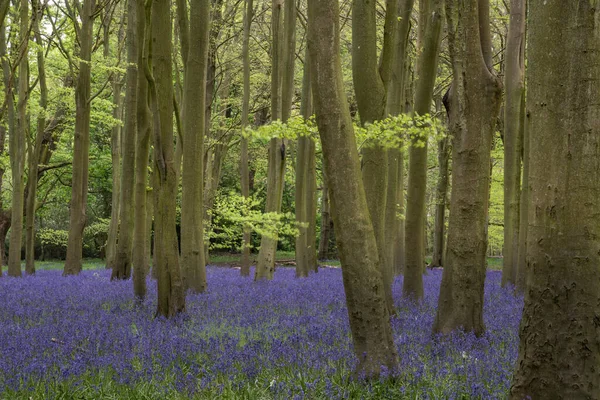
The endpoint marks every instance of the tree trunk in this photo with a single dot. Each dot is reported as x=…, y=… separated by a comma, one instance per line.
x=244, y=158
x=474, y=102
x=17, y=147
x=5, y=215
x=121, y=263
x=417, y=170
x=265, y=266
x=171, y=293
x=326, y=221
x=34, y=156
x=194, y=98
x=81, y=145
x=370, y=80
x=559, y=350
x=141, y=233
x=523, y=208
x=363, y=281
x=514, y=83
x=441, y=194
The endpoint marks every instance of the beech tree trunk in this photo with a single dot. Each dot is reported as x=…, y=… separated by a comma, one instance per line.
x=5, y=215
x=244, y=158
x=559, y=350
x=81, y=143
x=514, y=114
x=417, y=170
x=17, y=147
x=363, y=282
x=441, y=194
x=474, y=102
x=194, y=98
x=265, y=266
x=171, y=292
x=523, y=210
x=121, y=263
x=326, y=221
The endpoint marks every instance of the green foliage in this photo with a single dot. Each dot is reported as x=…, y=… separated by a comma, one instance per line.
x=54, y=241
x=294, y=128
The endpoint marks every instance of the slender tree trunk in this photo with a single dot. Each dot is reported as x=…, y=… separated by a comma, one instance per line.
x=524, y=208
x=363, y=282
x=441, y=194
x=326, y=221
x=559, y=350
x=36, y=151
x=514, y=83
x=81, y=145
x=244, y=159
x=171, y=293
x=417, y=170
x=5, y=215
x=17, y=147
x=265, y=267
x=121, y=263
x=194, y=97
x=474, y=102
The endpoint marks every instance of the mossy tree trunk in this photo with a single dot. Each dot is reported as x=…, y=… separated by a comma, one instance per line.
x=559, y=350
x=363, y=282
x=514, y=114
x=474, y=102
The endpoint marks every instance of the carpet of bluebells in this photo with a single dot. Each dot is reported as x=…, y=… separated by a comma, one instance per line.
x=84, y=337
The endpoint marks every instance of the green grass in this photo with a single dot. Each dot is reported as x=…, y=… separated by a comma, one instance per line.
x=88, y=264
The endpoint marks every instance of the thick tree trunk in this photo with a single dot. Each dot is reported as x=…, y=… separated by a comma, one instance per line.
x=559, y=352
x=417, y=170
x=244, y=158
x=17, y=147
x=441, y=195
x=514, y=83
x=363, y=282
x=81, y=143
x=121, y=263
x=265, y=266
x=474, y=102
x=194, y=98
x=171, y=292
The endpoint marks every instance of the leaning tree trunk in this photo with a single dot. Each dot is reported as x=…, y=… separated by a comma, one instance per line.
x=265, y=267
x=17, y=147
x=474, y=102
x=514, y=77
x=171, y=293
x=244, y=158
x=363, y=282
x=81, y=143
x=417, y=170
x=559, y=350
x=122, y=258
x=194, y=98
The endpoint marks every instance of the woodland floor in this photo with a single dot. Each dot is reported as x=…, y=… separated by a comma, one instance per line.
x=84, y=338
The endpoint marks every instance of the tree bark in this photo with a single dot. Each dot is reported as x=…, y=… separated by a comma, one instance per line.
x=326, y=221
x=523, y=209
x=81, y=145
x=265, y=266
x=5, y=215
x=441, y=195
x=417, y=170
x=514, y=83
x=363, y=281
x=244, y=158
x=474, y=102
x=121, y=263
x=171, y=293
x=559, y=350
x=194, y=98
x=17, y=147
